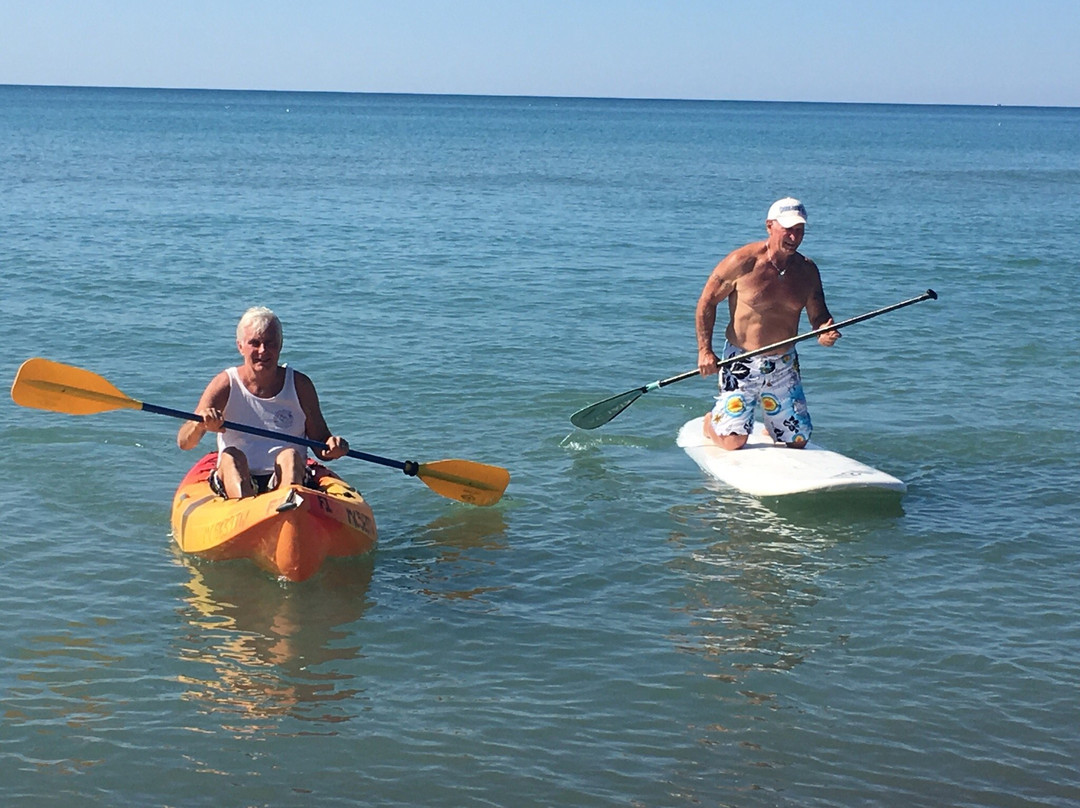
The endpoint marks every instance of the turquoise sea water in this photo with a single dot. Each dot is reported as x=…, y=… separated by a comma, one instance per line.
x=459, y=275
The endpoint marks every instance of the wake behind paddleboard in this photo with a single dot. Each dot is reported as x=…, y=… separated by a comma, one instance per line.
x=763, y=468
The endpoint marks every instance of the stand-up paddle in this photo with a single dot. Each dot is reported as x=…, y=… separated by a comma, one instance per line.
x=47, y=385
x=601, y=412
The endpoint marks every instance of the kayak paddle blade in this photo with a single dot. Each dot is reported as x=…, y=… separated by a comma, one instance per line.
x=601, y=412
x=465, y=480
x=47, y=385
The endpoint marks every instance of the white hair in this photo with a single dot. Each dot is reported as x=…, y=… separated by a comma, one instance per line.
x=261, y=320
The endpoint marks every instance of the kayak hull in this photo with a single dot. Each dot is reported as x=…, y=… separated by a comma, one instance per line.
x=288, y=532
x=764, y=468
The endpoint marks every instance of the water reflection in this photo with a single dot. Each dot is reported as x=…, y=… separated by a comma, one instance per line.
x=463, y=538
x=752, y=568
x=755, y=574
x=837, y=507
x=260, y=649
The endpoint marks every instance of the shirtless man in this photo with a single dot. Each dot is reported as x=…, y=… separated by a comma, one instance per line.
x=264, y=394
x=767, y=284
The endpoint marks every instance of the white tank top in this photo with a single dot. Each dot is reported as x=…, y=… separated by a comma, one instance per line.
x=282, y=413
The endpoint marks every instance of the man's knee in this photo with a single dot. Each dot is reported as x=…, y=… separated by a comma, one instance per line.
x=233, y=459
x=729, y=442
x=234, y=473
x=290, y=457
x=290, y=464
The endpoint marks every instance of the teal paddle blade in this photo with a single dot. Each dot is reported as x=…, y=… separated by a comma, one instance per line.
x=601, y=412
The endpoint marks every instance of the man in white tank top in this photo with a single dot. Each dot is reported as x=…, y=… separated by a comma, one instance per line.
x=260, y=393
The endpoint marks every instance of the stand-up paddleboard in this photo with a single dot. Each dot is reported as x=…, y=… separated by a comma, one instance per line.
x=763, y=468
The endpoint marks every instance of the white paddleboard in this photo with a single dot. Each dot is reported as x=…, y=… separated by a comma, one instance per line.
x=763, y=468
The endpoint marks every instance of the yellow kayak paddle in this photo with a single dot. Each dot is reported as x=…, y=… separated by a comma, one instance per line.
x=47, y=385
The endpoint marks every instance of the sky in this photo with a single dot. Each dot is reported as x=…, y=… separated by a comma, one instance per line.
x=873, y=51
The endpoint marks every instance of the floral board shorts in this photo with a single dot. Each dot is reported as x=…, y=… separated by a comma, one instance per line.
x=774, y=383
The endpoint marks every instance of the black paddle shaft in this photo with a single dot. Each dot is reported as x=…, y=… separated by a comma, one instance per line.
x=602, y=412
x=930, y=294
x=410, y=467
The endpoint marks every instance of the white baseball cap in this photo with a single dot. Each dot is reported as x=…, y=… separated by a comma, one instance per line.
x=787, y=212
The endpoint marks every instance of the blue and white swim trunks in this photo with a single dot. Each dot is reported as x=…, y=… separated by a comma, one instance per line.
x=771, y=381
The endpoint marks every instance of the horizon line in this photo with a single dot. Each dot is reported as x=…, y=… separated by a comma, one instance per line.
x=695, y=100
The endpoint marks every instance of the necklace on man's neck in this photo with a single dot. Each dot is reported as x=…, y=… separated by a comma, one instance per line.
x=779, y=271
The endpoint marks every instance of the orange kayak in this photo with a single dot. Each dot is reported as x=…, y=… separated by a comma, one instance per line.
x=288, y=532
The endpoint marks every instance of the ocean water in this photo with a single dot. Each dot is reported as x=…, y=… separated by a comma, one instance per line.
x=458, y=275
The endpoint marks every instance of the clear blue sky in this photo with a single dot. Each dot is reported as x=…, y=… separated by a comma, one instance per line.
x=902, y=51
